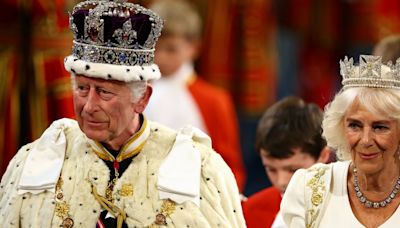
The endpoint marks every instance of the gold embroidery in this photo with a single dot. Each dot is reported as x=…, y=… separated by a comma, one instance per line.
x=109, y=189
x=167, y=208
x=153, y=226
x=317, y=186
x=62, y=207
x=126, y=190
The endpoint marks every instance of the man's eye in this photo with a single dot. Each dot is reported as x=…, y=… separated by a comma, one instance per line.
x=81, y=87
x=106, y=95
x=82, y=90
x=104, y=91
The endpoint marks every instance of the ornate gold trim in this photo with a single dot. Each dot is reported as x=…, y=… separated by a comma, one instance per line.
x=317, y=186
x=62, y=207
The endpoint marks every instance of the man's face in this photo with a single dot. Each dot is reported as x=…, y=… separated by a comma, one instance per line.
x=280, y=171
x=171, y=52
x=103, y=108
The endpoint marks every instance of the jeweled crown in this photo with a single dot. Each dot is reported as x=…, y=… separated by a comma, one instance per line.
x=370, y=72
x=114, y=32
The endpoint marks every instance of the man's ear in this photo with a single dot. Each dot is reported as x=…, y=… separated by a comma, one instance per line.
x=142, y=103
x=325, y=155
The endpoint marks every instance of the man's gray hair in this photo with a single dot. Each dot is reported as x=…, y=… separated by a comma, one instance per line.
x=138, y=88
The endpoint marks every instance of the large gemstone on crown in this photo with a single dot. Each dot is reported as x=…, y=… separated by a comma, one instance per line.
x=109, y=56
x=122, y=57
x=78, y=51
x=133, y=59
x=141, y=60
x=91, y=54
x=93, y=33
x=125, y=37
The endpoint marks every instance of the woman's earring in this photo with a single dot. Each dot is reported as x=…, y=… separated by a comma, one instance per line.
x=398, y=153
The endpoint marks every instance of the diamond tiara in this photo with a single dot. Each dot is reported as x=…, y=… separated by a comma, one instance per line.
x=370, y=72
x=114, y=32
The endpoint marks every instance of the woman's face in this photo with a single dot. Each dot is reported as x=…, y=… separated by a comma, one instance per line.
x=373, y=139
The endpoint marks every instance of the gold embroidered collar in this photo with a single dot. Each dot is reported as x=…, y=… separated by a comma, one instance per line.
x=132, y=146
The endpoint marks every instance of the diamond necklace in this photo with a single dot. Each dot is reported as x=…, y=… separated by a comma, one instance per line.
x=368, y=203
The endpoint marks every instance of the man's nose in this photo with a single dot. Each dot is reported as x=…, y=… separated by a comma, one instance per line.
x=91, y=104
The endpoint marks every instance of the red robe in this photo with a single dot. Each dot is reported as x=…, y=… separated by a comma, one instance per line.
x=222, y=128
x=261, y=208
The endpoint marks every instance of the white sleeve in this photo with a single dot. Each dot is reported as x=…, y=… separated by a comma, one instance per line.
x=278, y=221
x=293, y=208
x=306, y=196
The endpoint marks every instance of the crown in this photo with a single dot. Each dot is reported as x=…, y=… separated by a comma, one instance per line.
x=113, y=40
x=114, y=32
x=370, y=72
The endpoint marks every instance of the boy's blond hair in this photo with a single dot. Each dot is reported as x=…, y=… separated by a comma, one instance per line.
x=180, y=18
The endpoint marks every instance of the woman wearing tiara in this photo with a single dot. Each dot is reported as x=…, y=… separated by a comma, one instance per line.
x=362, y=124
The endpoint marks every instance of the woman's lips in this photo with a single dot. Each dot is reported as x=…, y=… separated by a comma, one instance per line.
x=368, y=156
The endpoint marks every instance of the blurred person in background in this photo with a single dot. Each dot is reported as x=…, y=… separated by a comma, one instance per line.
x=182, y=97
x=388, y=48
x=288, y=138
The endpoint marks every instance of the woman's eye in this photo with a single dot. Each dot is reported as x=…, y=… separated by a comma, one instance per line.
x=380, y=127
x=353, y=125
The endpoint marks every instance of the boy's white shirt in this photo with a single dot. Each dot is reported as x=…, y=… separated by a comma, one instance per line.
x=172, y=104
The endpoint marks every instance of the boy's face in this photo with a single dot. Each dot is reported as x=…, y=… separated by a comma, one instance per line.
x=280, y=171
x=171, y=52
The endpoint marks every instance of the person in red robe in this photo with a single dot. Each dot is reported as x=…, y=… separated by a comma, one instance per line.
x=288, y=138
x=182, y=96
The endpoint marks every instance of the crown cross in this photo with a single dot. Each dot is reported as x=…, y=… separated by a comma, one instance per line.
x=370, y=66
x=126, y=35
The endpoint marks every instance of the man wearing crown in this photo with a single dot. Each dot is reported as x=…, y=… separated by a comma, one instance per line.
x=112, y=167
